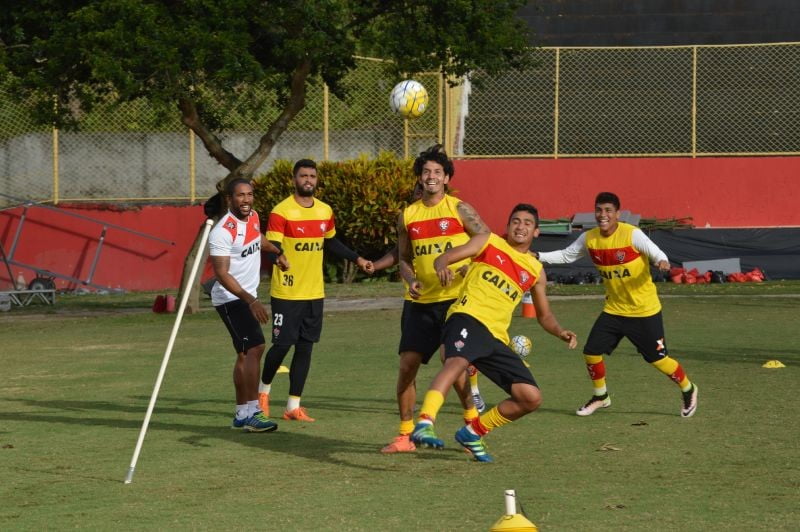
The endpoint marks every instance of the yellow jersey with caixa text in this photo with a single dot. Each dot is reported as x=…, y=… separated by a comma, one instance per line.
x=431, y=232
x=626, y=273
x=302, y=232
x=495, y=283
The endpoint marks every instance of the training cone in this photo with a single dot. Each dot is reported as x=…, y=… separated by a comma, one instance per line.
x=773, y=364
x=283, y=369
x=512, y=520
x=528, y=310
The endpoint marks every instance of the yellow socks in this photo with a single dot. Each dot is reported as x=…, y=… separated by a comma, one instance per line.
x=431, y=404
x=597, y=372
x=672, y=369
x=488, y=421
x=406, y=426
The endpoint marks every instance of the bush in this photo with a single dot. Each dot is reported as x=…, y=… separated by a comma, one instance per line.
x=366, y=196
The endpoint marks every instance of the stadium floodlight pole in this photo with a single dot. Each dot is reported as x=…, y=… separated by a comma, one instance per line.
x=186, y=290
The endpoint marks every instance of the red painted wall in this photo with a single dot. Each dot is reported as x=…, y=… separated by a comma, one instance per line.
x=67, y=245
x=718, y=192
x=721, y=192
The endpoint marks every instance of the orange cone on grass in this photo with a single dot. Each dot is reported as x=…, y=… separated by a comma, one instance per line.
x=528, y=310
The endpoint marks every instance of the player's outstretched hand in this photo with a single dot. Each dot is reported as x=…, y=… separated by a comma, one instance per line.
x=570, y=337
x=663, y=266
x=282, y=262
x=259, y=311
x=365, y=265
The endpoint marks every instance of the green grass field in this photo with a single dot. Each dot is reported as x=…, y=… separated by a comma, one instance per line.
x=77, y=377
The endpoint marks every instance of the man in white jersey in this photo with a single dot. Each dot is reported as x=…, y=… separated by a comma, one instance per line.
x=235, y=245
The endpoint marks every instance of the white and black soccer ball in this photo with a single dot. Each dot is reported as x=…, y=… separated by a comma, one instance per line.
x=521, y=345
x=409, y=99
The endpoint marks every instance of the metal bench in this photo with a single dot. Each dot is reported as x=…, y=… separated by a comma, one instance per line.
x=23, y=298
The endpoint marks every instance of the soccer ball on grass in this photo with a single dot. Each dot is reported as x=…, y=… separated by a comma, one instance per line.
x=409, y=99
x=521, y=345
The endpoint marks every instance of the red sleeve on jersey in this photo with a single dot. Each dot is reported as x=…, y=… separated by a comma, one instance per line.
x=230, y=225
x=276, y=223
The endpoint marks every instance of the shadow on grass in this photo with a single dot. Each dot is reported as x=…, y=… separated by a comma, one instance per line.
x=302, y=445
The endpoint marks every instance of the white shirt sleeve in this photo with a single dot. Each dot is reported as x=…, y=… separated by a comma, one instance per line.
x=647, y=247
x=219, y=243
x=569, y=254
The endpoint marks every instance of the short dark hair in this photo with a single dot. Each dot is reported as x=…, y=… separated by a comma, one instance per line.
x=303, y=163
x=607, y=197
x=231, y=186
x=527, y=207
x=436, y=154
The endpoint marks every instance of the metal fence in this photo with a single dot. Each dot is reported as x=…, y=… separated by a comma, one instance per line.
x=576, y=102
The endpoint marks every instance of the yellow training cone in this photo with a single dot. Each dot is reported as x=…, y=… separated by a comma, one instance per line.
x=773, y=364
x=283, y=369
x=513, y=521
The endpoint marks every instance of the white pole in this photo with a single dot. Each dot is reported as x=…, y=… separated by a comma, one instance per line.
x=186, y=290
x=511, y=502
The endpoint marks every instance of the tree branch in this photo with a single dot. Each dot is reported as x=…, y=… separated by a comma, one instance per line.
x=191, y=119
x=295, y=104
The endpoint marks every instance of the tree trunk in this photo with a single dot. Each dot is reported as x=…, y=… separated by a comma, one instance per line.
x=193, y=302
x=237, y=168
x=349, y=270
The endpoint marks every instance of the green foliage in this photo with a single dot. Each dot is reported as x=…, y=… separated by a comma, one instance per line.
x=235, y=57
x=366, y=196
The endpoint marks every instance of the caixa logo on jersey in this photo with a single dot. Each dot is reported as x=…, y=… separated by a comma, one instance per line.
x=253, y=248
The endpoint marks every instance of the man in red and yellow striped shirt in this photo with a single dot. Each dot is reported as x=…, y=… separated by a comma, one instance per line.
x=427, y=228
x=476, y=331
x=622, y=254
x=302, y=227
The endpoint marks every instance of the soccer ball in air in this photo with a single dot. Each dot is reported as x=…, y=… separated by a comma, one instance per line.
x=521, y=345
x=409, y=99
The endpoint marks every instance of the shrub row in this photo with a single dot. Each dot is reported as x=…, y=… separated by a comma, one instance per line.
x=366, y=196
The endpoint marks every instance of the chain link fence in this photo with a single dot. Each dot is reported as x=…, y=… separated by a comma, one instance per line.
x=575, y=102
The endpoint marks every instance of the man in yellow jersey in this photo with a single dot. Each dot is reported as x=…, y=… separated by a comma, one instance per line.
x=622, y=254
x=391, y=258
x=476, y=331
x=301, y=226
x=426, y=229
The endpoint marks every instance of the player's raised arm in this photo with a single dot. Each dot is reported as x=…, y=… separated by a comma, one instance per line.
x=473, y=224
x=467, y=250
x=567, y=255
x=546, y=317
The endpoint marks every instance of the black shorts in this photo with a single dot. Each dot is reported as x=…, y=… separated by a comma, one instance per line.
x=293, y=320
x=646, y=334
x=466, y=337
x=422, y=325
x=243, y=326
